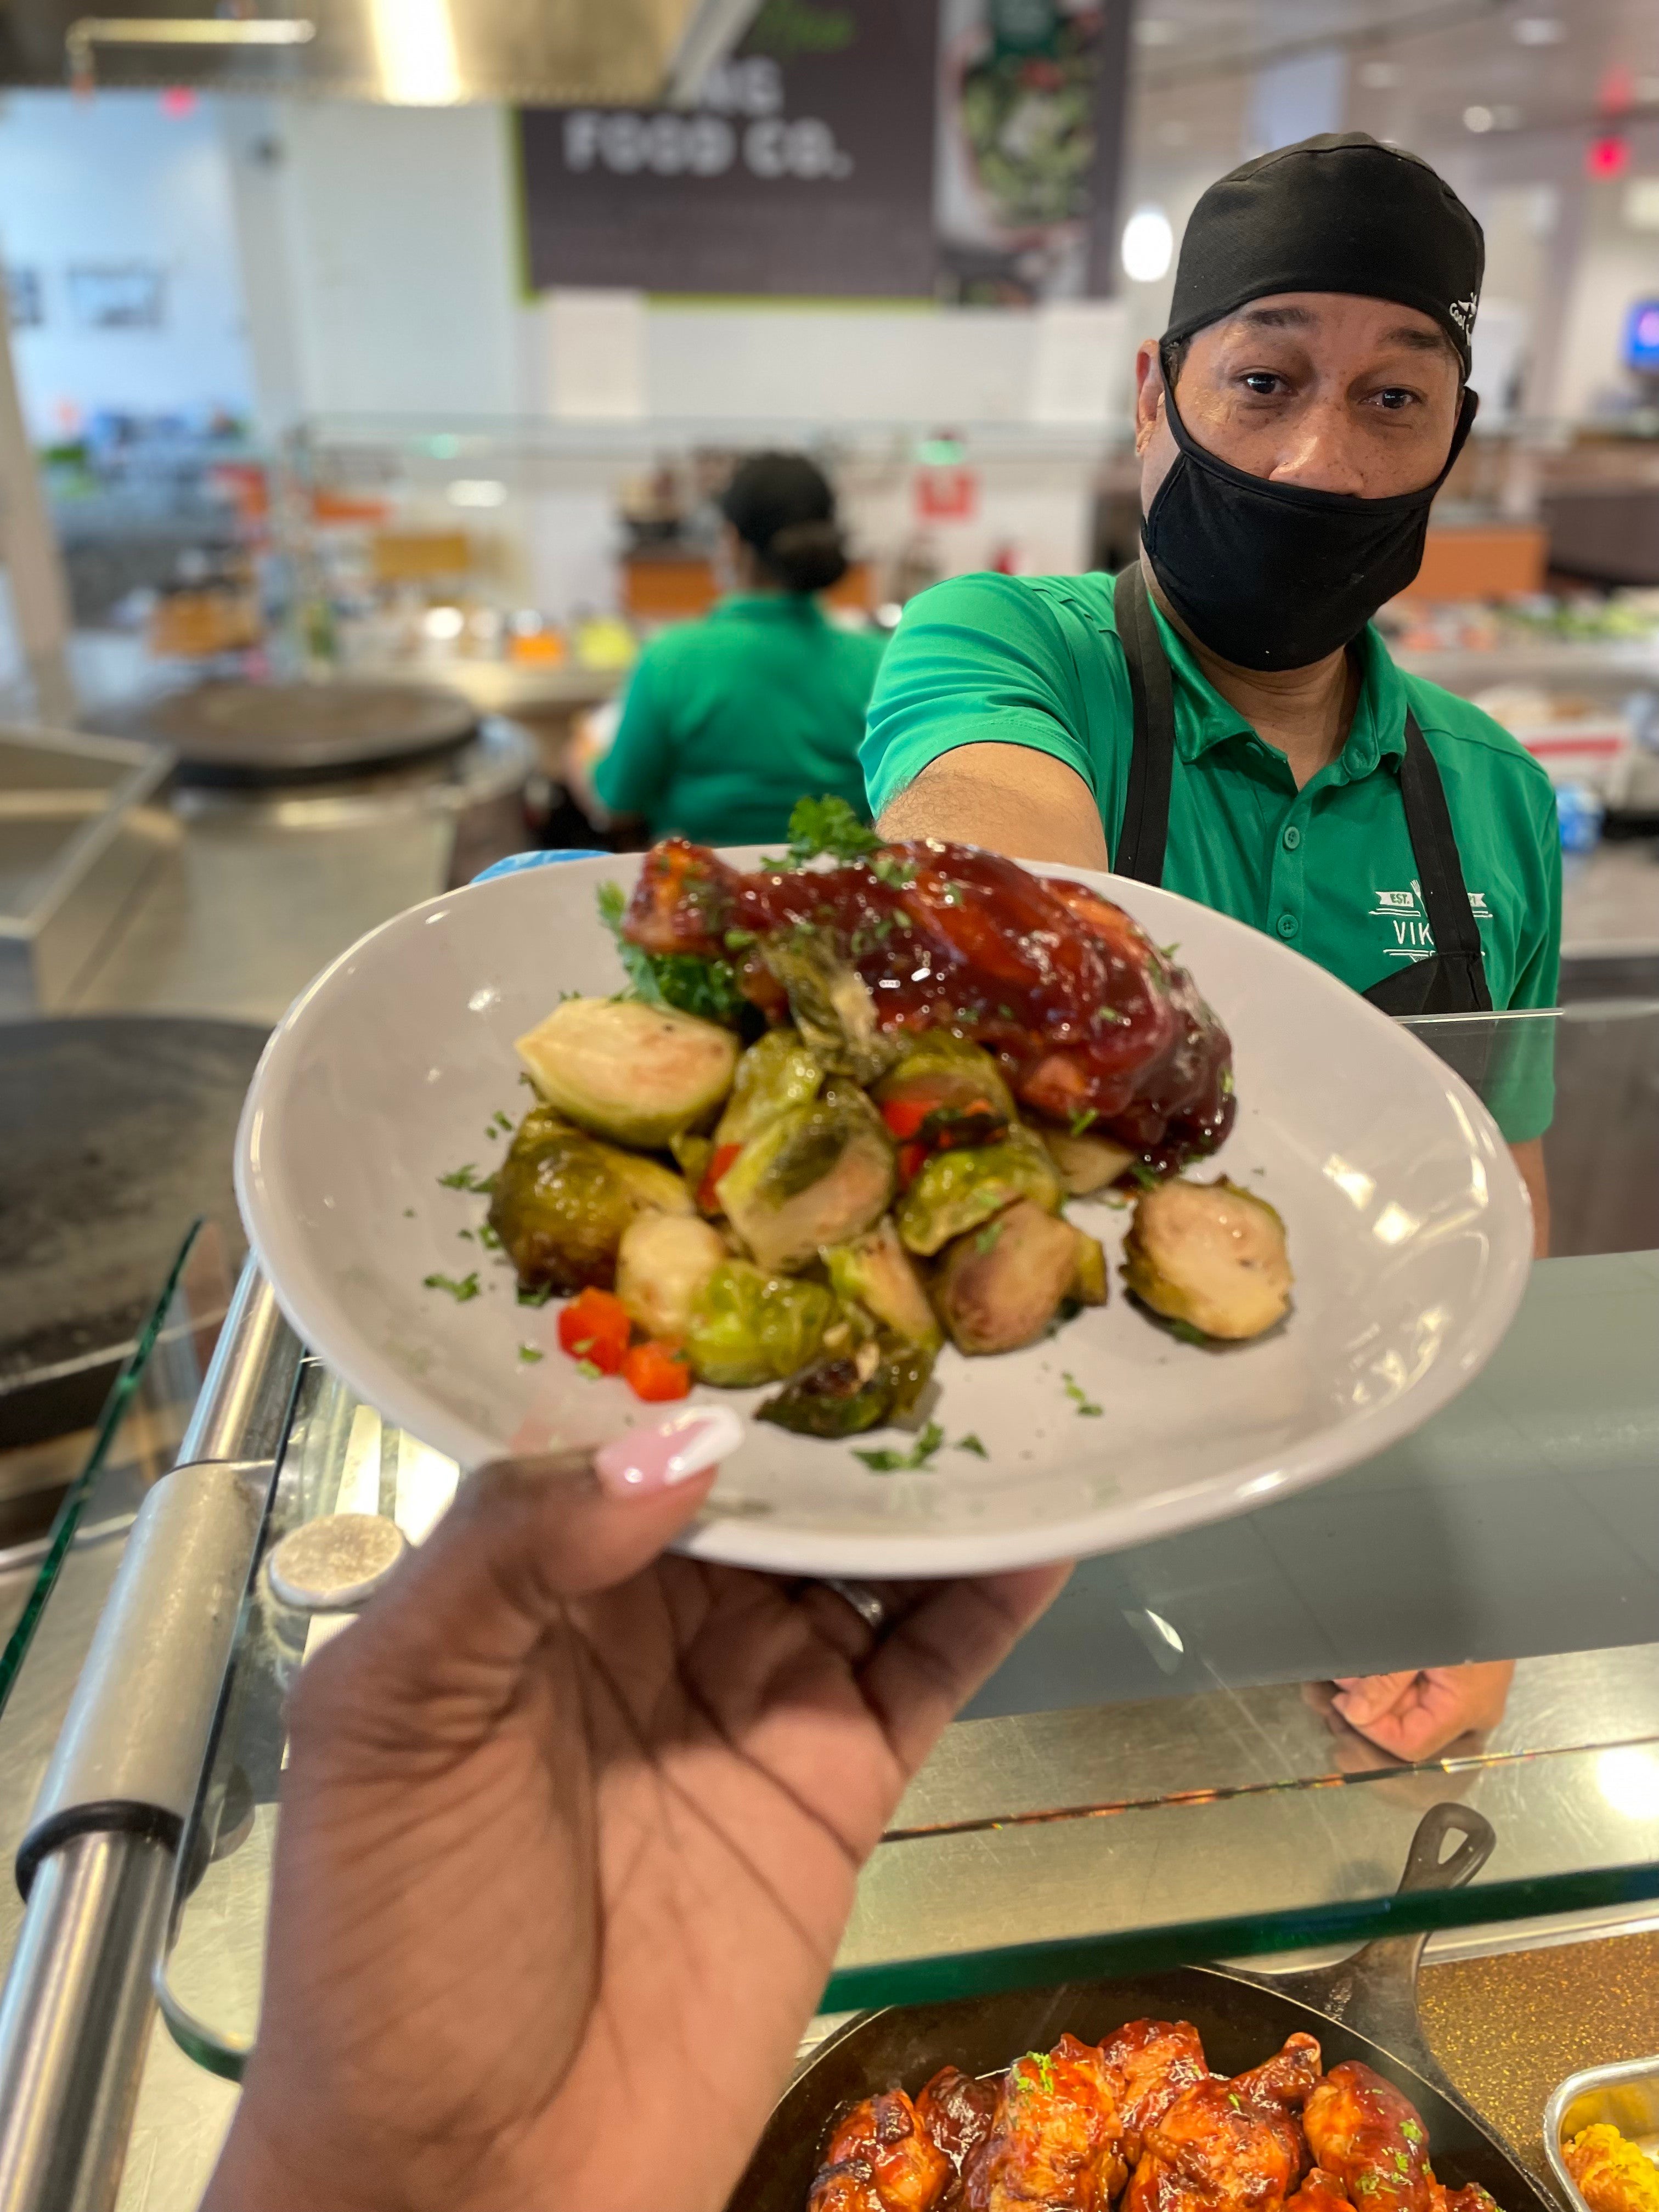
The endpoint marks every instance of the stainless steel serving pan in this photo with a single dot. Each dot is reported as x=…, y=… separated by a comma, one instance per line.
x=1363, y=2007
x=1624, y=2096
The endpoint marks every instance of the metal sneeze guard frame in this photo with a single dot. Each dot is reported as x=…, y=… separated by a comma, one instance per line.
x=97, y=1863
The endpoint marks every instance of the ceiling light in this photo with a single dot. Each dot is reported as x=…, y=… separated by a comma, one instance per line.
x=415, y=47
x=1539, y=30
x=476, y=491
x=1478, y=118
x=1156, y=31
x=1148, y=244
x=1380, y=77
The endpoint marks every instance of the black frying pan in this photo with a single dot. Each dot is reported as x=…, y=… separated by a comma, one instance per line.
x=1364, y=2007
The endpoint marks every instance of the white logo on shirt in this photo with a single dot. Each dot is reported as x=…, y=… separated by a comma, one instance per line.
x=1413, y=939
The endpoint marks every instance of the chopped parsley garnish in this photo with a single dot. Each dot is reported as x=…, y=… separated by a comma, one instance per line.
x=487, y=1237
x=409, y=1213
x=1412, y=2132
x=970, y=1444
x=1087, y=1407
x=988, y=1238
x=1045, y=2067
x=1146, y=1178
x=1226, y=1083
x=461, y=1178
x=897, y=874
x=1170, y=951
x=1110, y=1014
x=530, y=1356
x=823, y=825
x=684, y=981
x=467, y=1233
x=503, y=1121
x=1187, y=1334
x=888, y=1461
x=461, y=1291
x=538, y=1297
x=1238, y=2103
x=1084, y=1121
x=588, y=1372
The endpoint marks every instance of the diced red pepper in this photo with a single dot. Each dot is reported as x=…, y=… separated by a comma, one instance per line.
x=720, y=1160
x=910, y=1157
x=595, y=1327
x=656, y=1371
x=904, y=1116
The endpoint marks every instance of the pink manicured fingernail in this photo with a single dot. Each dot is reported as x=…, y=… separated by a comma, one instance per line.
x=644, y=1461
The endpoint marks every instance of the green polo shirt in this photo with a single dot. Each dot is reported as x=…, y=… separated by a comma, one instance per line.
x=1328, y=869
x=729, y=720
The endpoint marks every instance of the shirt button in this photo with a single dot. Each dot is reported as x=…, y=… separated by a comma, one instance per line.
x=1288, y=925
x=1292, y=838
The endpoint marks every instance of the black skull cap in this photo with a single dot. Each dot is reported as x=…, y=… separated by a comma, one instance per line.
x=1339, y=213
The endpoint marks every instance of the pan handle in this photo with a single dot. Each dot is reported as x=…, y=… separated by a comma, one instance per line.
x=1374, y=1992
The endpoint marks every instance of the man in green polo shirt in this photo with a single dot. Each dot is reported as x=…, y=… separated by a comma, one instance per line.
x=1224, y=718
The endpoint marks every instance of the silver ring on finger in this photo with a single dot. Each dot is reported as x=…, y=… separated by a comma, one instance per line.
x=871, y=1607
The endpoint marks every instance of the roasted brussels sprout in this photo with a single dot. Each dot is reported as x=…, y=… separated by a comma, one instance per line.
x=877, y=1272
x=748, y=1327
x=652, y=1187
x=957, y=1083
x=1000, y=1285
x=640, y=1074
x=848, y=1393
x=1090, y=1283
x=818, y=1174
x=662, y=1263
x=1211, y=1256
x=691, y=1157
x=831, y=1004
x=955, y=1191
x=777, y=1072
x=559, y=1206
x=1086, y=1164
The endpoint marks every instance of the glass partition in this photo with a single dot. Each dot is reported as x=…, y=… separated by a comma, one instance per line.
x=1164, y=1772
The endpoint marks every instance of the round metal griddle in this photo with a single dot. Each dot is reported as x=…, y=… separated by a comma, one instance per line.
x=256, y=735
x=116, y=1132
x=1363, y=2007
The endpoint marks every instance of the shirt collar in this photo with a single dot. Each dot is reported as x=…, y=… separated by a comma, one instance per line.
x=768, y=606
x=1379, y=716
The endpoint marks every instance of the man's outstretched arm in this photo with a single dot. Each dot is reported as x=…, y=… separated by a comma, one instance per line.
x=1010, y=799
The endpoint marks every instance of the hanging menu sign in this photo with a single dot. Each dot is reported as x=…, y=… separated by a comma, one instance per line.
x=806, y=166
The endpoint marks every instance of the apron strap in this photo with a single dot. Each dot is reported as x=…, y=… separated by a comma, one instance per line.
x=1454, y=980
x=1145, y=828
x=1440, y=872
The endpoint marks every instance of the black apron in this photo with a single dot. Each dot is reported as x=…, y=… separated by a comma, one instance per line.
x=1453, y=979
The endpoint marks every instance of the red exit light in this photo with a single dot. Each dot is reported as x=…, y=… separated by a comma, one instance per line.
x=1607, y=157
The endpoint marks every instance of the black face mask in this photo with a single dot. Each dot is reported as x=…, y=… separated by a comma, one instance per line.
x=1269, y=575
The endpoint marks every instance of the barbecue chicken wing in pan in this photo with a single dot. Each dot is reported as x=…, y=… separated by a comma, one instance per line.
x=881, y=2159
x=1361, y=2129
x=1230, y=2145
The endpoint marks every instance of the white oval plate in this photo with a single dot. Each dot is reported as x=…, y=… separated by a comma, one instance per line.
x=1409, y=1229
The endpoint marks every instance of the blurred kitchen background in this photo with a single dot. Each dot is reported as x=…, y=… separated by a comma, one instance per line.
x=372, y=370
